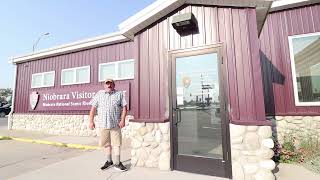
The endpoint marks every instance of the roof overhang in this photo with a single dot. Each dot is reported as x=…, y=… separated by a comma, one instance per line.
x=72, y=47
x=161, y=8
x=288, y=4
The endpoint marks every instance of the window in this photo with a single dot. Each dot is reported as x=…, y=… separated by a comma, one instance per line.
x=305, y=63
x=78, y=75
x=107, y=70
x=45, y=79
x=126, y=69
x=119, y=70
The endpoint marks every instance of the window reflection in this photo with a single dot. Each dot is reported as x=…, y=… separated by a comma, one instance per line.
x=197, y=92
x=306, y=52
x=197, y=81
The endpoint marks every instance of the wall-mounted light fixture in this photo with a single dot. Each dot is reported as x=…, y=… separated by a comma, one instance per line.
x=184, y=22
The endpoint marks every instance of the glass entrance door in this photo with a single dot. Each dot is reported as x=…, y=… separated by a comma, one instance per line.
x=198, y=117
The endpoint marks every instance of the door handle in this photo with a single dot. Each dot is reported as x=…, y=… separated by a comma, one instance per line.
x=178, y=115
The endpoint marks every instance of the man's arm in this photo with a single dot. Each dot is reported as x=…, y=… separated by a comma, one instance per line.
x=122, y=122
x=91, y=117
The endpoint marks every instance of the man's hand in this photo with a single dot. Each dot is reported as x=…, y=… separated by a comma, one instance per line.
x=92, y=125
x=91, y=117
x=123, y=117
x=121, y=124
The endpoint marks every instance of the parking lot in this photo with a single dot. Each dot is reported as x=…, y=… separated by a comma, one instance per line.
x=17, y=157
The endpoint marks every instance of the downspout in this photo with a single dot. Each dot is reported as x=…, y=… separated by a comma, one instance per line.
x=10, y=116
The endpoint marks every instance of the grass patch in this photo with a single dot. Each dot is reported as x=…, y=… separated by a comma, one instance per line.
x=304, y=150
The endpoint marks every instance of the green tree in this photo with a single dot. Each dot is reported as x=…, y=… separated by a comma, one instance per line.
x=6, y=92
x=5, y=96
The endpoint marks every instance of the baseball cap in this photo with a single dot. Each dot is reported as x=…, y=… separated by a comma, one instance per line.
x=109, y=80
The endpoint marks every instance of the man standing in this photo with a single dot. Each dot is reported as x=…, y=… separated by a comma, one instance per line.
x=112, y=110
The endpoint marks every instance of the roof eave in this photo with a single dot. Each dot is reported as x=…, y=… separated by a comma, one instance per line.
x=157, y=10
x=72, y=47
x=147, y=16
x=283, y=5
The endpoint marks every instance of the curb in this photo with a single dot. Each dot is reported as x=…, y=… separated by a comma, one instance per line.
x=5, y=138
x=74, y=146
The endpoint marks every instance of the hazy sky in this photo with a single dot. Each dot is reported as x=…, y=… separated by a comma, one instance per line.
x=22, y=22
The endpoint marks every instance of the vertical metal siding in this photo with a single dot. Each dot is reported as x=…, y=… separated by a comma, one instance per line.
x=256, y=66
x=154, y=73
x=225, y=35
x=136, y=88
x=235, y=28
x=239, y=52
x=275, y=58
x=144, y=98
x=164, y=80
x=90, y=57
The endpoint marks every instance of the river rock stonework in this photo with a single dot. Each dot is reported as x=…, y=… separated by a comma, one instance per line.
x=295, y=126
x=71, y=125
x=251, y=152
x=150, y=144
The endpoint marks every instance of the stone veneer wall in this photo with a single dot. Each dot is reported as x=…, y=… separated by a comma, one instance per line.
x=251, y=151
x=150, y=143
x=295, y=126
x=72, y=125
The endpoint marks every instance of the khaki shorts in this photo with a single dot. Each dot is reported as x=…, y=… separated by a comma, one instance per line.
x=110, y=137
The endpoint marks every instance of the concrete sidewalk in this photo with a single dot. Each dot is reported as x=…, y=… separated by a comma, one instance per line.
x=294, y=172
x=87, y=166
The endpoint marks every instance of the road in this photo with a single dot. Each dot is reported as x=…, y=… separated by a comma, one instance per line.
x=17, y=157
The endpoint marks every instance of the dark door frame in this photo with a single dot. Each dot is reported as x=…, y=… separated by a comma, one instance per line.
x=212, y=48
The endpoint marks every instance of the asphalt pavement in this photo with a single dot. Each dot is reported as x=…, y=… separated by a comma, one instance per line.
x=4, y=123
x=17, y=158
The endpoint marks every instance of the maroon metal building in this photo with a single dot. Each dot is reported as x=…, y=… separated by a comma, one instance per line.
x=212, y=84
x=276, y=62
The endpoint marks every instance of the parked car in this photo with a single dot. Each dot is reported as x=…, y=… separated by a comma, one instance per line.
x=5, y=110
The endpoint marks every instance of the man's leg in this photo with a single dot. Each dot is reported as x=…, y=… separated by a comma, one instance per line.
x=116, y=141
x=116, y=151
x=108, y=152
x=105, y=143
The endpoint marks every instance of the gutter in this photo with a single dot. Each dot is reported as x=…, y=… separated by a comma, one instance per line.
x=289, y=4
x=98, y=41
